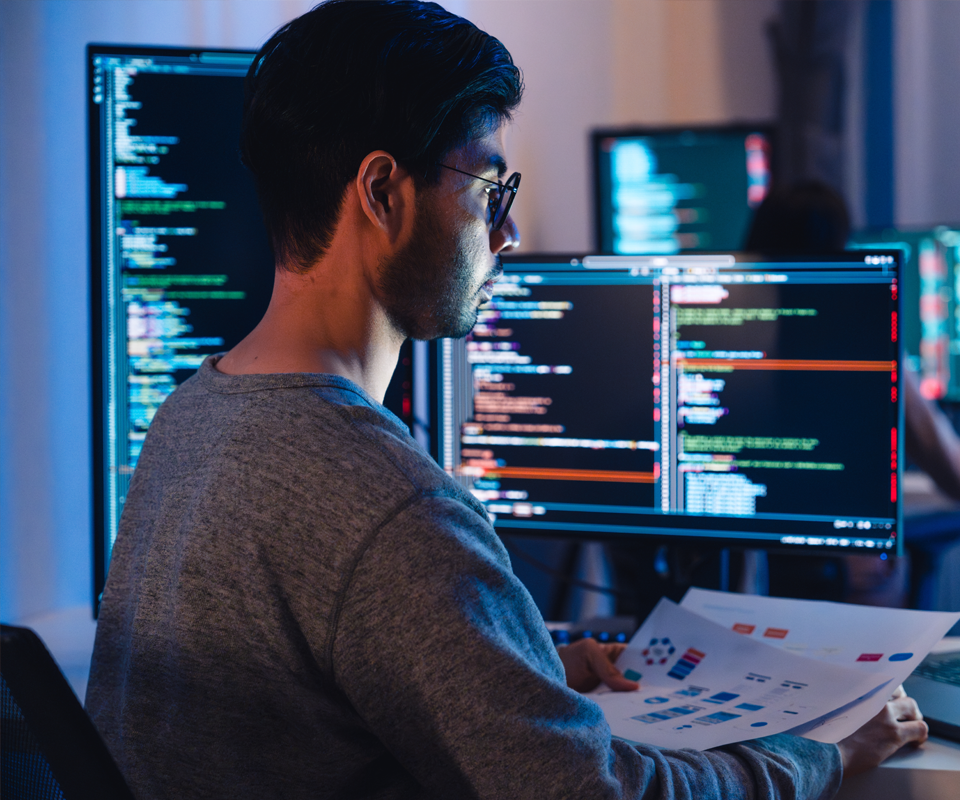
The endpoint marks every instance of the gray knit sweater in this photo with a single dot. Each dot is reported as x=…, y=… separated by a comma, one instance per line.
x=302, y=604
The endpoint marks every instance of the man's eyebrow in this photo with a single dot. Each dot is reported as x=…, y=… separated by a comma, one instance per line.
x=499, y=163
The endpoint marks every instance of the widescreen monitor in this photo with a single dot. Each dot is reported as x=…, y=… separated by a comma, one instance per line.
x=931, y=312
x=180, y=262
x=680, y=189
x=704, y=397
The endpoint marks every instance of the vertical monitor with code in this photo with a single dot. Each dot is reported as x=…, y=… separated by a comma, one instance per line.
x=180, y=263
x=181, y=266
x=672, y=190
x=695, y=396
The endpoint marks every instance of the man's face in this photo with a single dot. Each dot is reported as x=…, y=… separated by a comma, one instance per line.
x=434, y=285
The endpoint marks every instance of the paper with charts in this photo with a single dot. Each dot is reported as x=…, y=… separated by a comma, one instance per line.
x=702, y=686
x=887, y=641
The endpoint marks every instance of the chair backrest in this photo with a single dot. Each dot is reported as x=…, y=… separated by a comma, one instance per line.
x=49, y=747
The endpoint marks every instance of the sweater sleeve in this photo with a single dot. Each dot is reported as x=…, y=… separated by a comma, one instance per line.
x=444, y=656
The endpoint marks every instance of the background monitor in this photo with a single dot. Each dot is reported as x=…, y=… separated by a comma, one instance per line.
x=672, y=190
x=702, y=397
x=931, y=313
x=180, y=262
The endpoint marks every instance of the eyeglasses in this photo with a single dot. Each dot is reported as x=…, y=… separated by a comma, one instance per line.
x=504, y=195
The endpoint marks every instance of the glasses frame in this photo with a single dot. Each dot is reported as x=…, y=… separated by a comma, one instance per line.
x=508, y=191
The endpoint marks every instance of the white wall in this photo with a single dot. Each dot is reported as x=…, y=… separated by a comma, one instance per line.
x=587, y=63
x=594, y=63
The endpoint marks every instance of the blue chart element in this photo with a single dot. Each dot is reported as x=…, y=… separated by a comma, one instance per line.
x=901, y=657
x=656, y=700
x=757, y=724
x=717, y=718
x=670, y=713
x=686, y=664
x=651, y=717
x=681, y=727
x=679, y=711
x=720, y=697
x=749, y=707
x=690, y=691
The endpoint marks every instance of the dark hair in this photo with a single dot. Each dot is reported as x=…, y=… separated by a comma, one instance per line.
x=807, y=218
x=353, y=76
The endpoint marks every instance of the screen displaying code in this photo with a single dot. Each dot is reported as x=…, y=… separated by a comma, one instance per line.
x=692, y=396
x=182, y=264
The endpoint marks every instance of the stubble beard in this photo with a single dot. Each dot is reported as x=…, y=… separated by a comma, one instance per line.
x=427, y=288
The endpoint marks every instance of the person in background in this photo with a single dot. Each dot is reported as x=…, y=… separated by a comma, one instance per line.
x=806, y=218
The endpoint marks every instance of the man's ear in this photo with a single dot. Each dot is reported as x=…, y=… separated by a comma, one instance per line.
x=387, y=194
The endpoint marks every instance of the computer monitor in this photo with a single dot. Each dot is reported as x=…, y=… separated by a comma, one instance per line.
x=680, y=189
x=931, y=312
x=705, y=397
x=180, y=262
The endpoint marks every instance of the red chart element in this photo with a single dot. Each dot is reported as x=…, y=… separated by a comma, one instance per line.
x=742, y=627
x=870, y=656
x=776, y=633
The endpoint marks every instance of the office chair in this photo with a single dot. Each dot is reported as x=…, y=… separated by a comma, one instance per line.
x=49, y=747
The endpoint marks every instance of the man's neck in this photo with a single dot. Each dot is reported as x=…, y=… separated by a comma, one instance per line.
x=321, y=322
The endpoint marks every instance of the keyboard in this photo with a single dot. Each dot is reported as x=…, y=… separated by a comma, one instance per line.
x=945, y=669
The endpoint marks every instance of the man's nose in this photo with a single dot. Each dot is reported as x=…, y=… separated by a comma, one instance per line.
x=505, y=239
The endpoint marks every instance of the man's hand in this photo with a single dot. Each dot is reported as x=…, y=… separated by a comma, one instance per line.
x=589, y=663
x=899, y=723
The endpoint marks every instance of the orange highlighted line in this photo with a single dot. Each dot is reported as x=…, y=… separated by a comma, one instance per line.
x=706, y=364
x=605, y=475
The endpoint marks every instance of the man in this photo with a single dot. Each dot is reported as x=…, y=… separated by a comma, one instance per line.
x=301, y=603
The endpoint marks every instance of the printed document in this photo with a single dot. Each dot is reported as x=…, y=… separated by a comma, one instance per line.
x=702, y=685
x=880, y=641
